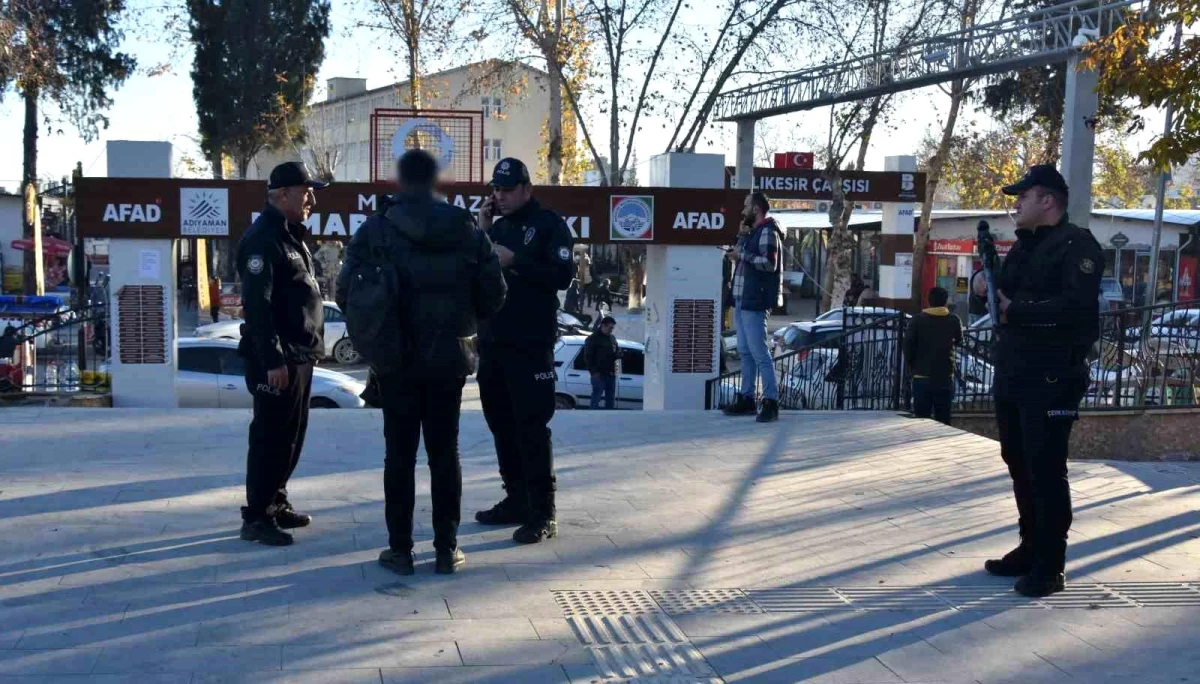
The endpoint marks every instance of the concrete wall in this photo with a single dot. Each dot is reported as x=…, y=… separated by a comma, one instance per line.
x=1162, y=435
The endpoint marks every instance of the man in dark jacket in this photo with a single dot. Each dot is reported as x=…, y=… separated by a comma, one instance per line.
x=929, y=355
x=600, y=354
x=516, y=361
x=450, y=280
x=282, y=338
x=1048, y=292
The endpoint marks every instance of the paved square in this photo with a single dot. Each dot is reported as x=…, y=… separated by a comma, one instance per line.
x=828, y=547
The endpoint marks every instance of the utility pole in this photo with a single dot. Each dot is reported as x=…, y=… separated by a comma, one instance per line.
x=1159, y=202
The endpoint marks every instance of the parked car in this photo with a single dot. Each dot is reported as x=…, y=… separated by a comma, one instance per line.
x=825, y=327
x=337, y=343
x=210, y=374
x=573, y=381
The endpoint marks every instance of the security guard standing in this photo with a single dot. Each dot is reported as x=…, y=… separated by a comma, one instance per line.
x=282, y=338
x=516, y=351
x=1047, y=292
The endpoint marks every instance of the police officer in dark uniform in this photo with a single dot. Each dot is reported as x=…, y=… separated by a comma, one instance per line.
x=516, y=351
x=282, y=338
x=1047, y=292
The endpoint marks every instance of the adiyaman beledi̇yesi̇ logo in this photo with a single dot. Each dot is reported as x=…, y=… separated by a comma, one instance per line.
x=204, y=211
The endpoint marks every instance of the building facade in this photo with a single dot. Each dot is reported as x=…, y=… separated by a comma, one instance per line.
x=513, y=97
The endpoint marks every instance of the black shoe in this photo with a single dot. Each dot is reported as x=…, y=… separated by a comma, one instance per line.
x=448, y=562
x=769, y=411
x=1039, y=585
x=532, y=533
x=742, y=406
x=265, y=531
x=507, y=512
x=1015, y=563
x=289, y=519
x=399, y=562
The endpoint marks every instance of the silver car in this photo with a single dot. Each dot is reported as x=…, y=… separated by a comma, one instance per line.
x=210, y=374
x=337, y=343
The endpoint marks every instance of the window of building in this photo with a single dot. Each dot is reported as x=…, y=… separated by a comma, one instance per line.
x=493, y=149
x=493, y=106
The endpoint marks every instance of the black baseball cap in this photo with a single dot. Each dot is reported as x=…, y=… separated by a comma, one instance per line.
x=608, y=319
x=510, y=173
x=292, y=174
x=1041, y=175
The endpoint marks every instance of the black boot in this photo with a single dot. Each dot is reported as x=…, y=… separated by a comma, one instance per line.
x=769, y=411
x=741, y=406
x=507, y=512
x=449, y=561
x=535, y=532
x=1041, y=584
x=265, y=531
x=289, y=518
x=1015, y=563
x=399, y=562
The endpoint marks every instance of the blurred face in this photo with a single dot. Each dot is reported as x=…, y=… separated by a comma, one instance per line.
x=510, y=200
x=1034, y=208
x=296, y=203
x=607, y=328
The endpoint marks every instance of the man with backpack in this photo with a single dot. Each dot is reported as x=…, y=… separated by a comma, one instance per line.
x=418, y=277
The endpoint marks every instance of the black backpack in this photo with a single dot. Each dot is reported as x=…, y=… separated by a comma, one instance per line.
x=375, y=298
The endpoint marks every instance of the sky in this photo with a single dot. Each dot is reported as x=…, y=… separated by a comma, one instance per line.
x=161, y=108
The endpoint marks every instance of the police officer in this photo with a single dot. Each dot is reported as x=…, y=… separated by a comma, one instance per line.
x=1047, y=292
x=516, y=355
x=281, y=339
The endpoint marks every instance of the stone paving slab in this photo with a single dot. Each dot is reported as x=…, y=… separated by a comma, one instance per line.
x=828, y=547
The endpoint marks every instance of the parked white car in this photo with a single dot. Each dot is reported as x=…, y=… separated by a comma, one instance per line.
x=573, y=385
x=210, y=374
x=337, y=344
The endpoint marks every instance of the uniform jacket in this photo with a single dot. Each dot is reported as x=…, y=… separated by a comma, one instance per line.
x=542, y=266
x=1052, y=275
x=285, y=317
x=450, y=280
x=600, y=353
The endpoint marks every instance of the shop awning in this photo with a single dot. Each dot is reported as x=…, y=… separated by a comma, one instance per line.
x=52, y=246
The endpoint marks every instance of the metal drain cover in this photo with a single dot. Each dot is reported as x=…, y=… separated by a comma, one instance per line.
x=632, y=602
x=690, y=601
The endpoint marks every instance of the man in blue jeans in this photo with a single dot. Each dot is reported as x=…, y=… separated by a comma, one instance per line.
x=600, y=354
x=757, y=288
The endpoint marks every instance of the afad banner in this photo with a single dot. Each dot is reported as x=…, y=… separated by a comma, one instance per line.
x=173, y=208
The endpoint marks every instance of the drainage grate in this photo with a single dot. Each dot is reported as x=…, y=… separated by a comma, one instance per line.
x=1158, y=594
x=650, y=660
x=606, y=630
x=798, y=600
x=579, y=603
x=692, y=601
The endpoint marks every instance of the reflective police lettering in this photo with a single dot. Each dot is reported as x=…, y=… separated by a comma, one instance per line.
x=698, y=220
x=544, y=375
x=132, y=213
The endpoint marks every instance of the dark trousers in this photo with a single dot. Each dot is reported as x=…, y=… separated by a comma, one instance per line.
x=604, y=384
x=932, y=398
x=1035, y=429
x=516, y=388
x=215, y=312
x=276, y=437
x=412, y=406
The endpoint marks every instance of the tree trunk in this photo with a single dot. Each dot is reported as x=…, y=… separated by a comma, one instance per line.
x=635, y=270
x=32, y=229
x=218, y=168
x=554, y=122
x=414, y=69
x=932, y=180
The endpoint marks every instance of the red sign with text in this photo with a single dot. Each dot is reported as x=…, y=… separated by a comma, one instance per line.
x=1187, y=277
x=793, y=160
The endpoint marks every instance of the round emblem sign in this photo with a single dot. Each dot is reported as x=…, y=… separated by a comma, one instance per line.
x=632, y=218
x=444, y=141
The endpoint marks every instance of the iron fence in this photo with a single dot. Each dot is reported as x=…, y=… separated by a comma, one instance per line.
x=1146, y=357
x=67, y=351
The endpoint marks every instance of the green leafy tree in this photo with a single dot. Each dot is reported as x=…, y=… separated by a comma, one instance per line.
x=1119, y=180
x=255, y=64
x=65, y=53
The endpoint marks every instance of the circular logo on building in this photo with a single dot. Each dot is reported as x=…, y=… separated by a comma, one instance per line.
x=631, y=217
x=426, y=135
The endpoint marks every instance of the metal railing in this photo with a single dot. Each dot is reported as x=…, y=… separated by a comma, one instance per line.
x=1146, y=357
x=67, y=351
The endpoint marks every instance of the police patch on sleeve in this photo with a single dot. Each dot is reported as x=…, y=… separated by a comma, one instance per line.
x=564, y=254
x=1087, y=266
x=529, y=233
x=254, y=264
